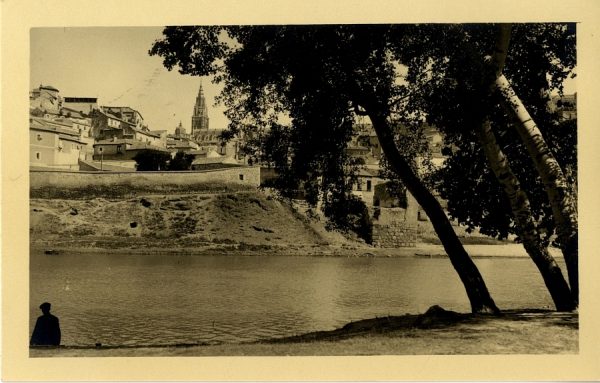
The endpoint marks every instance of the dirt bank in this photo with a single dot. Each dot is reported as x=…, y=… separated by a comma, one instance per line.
x=244, y=220
x=200, y=220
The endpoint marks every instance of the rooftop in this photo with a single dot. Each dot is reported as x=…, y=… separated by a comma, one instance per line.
x=131, y=144
x=49, y=87
x=53, y=126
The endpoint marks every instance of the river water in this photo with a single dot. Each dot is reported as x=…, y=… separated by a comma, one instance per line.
x=125, y=299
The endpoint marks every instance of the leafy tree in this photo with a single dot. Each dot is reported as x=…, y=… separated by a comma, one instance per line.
x=456, y=97
x=272, y=69
x=181, y=161
x=151, y=160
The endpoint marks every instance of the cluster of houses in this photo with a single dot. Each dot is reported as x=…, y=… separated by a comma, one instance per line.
x=75, y=133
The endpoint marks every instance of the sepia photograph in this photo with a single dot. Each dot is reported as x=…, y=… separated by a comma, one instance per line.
x=374, y=189
x=301, y=189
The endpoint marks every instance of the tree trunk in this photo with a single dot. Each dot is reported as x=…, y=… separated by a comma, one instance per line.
x=555, y=183
x=526, y=227
x=520, y=205
x=479, y=297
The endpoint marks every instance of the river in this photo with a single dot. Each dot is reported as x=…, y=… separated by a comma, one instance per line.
x=125, y=299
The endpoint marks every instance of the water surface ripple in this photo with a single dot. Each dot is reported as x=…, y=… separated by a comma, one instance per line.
x=123, y=299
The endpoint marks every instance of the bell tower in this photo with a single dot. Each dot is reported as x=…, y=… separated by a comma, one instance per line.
x=200, y=116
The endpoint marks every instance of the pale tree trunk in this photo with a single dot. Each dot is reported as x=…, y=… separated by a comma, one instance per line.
x=520, y=205
x=477, y=292
x=526, y=227
x=555, y=184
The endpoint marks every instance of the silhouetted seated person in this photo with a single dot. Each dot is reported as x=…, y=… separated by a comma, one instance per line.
x=47, y=329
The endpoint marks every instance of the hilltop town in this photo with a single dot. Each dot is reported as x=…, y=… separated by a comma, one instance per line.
x=75, y=133
x=80, y=150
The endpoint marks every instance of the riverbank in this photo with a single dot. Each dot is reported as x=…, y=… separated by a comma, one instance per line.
x=104, y=245
x=208, y=220
x=437, y=332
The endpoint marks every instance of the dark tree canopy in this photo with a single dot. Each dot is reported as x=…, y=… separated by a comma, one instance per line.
x=454, y=96
x=181, y=161
x=302, y=87
x=151, y=160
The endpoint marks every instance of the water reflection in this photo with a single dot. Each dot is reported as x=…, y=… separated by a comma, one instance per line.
x=121, y=299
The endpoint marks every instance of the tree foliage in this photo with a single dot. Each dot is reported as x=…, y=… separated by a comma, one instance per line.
x=181, y=161
x=151, y=160
x=268, y=81
x=321, y=77
x=451, y=88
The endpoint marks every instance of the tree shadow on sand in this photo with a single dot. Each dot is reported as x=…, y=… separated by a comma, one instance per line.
x=435, y=318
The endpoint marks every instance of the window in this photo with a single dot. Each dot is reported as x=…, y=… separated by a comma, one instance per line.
x=368, y=185
x=241, y=177
x=38, y=155
x=359, y=185
x=119, y=149
x=39, y=137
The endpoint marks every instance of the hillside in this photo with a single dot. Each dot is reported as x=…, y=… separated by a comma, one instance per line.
x=245, y=220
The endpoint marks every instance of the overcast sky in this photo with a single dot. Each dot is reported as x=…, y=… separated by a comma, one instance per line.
x=113, y=65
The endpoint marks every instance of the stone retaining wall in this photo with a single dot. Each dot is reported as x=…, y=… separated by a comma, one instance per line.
x=248, y=175
x=398, y=234
x=395, y=227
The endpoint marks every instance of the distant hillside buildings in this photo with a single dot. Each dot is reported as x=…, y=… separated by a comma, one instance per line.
x=76, y=132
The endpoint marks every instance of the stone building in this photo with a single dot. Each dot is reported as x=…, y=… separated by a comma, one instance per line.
x=122, y=149
x=127, y=114
x=55, y=144
x=565, y=105
x=106, y=126
x=45, y=99
x=82, y=105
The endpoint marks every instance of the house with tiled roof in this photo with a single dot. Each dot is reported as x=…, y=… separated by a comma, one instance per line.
x=107, y=126
x=46, y=99
x=127, y=114
x=83, y=105
x=55, y=144
x=121, y=149
x=210, y=159
x=181, y=145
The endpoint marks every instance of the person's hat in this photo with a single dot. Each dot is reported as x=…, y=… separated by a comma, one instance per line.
x=45, y=305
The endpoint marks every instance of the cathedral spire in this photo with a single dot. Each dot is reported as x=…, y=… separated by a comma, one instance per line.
x=200, y=115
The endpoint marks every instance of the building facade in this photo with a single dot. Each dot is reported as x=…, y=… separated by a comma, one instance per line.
x=46, y=99
x=54, y=144
x=83, y=105
x=126, y=114
x=121, y=149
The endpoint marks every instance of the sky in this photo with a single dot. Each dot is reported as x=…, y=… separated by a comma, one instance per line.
x=113, y=65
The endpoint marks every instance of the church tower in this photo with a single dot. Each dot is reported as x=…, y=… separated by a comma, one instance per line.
x=200, y=116
x=180, y=130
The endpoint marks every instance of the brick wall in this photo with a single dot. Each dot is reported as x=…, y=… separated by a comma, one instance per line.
x=249, y=175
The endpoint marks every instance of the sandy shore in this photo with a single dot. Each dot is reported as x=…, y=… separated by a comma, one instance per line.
x=513, y=250
x=514, y=332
